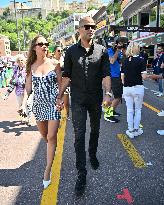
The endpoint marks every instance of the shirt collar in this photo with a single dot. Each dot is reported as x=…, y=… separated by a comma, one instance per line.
x=92, y=45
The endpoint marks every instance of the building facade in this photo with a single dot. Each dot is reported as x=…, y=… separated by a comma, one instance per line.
x=4, y=46
x=65, y=33
x=60, y=5
x=144, y=13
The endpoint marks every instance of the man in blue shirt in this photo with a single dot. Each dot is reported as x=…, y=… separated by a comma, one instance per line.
x=115, y=56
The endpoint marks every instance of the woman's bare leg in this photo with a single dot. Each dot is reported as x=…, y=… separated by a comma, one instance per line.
x=51, y=146
x=43, y=129
x=20, y=100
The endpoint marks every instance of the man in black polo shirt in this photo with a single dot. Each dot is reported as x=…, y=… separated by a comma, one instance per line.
x=86, y=68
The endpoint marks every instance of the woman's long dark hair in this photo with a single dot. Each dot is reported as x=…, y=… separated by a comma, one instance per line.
x=31, y=55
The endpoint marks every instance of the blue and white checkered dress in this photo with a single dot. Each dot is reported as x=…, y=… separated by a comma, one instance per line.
x=45, y=91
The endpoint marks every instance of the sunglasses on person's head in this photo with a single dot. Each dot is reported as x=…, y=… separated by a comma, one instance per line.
x=87, y=27
x=42, y=44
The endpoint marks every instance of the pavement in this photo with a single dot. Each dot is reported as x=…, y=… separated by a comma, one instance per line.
x=131, y=170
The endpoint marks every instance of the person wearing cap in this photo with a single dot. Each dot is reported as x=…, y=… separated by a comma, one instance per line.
x=115, y=56
x=86, y=68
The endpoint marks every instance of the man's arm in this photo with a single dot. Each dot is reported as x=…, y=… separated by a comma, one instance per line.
x=64, y=85
x=106, y=82
x=59, y=74
x=113, y=58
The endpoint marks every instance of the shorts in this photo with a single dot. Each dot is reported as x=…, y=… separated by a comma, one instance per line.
x=117, y=87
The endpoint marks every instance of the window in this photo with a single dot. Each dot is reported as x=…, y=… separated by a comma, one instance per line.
x=135, y=22
x=144, y=19
x=153, y=14
x=130, y=21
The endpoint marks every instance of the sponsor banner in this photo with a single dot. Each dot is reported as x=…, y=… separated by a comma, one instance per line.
x=124, y=4
x=151, y=40
x=101, y=24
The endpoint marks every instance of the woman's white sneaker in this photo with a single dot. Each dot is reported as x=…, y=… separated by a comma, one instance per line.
x=138, y=132
x=130, y=134
x=160, y=132
x=161, y=114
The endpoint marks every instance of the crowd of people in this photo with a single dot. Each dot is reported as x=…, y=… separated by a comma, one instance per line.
x=6, y=73
x=95, y=76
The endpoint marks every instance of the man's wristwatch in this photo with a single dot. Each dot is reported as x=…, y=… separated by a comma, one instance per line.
x=108, y=93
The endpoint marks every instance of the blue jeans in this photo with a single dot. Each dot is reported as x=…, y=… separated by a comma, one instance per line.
x=160, y=84
x=79, y=117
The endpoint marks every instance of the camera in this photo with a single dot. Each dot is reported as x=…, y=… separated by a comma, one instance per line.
x=117, y=42
x=119, y=47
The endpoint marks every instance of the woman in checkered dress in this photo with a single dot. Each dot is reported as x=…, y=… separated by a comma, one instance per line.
x=45, y=94
x=43, y=80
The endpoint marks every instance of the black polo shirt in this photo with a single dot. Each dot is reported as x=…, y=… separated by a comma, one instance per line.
x=86, y=71
x=133, y=71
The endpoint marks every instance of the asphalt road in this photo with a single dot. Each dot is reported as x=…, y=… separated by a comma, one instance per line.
x=134, y=166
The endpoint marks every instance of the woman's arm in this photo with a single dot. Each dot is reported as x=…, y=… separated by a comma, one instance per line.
x=28, y=84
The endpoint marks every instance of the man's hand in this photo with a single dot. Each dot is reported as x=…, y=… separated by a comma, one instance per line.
x=107, y=100
x=59, y=104
x=154, y=77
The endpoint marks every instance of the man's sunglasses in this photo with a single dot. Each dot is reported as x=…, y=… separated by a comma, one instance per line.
x=59, y=51
x=42, y=44
x=87, y=27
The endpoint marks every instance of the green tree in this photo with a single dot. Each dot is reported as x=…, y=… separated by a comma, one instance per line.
x=39, y=15
x=109, y=8
x=32, y=27
x=91, y=8
x=65, y=14
x=6, y=12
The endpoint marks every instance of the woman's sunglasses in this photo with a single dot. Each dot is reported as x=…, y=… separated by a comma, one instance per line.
x=42, y=44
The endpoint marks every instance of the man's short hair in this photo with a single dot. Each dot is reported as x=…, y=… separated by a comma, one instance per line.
x=86, y=20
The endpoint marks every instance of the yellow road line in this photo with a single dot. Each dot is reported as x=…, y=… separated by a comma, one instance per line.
x=132, y=151
x=150, y=107
x=49, y=196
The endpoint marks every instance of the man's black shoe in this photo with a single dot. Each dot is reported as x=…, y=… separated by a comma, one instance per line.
x=111, y=119
x=94, y=162
x=80, y=185
x=116, y=114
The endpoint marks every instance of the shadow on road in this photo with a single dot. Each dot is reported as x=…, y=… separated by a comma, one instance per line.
x=28, y=176
x=12, y=126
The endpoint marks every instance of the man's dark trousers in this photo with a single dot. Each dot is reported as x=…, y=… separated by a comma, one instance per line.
x=79, y=117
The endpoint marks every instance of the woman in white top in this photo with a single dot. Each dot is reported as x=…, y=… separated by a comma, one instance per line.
x=133, y=72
